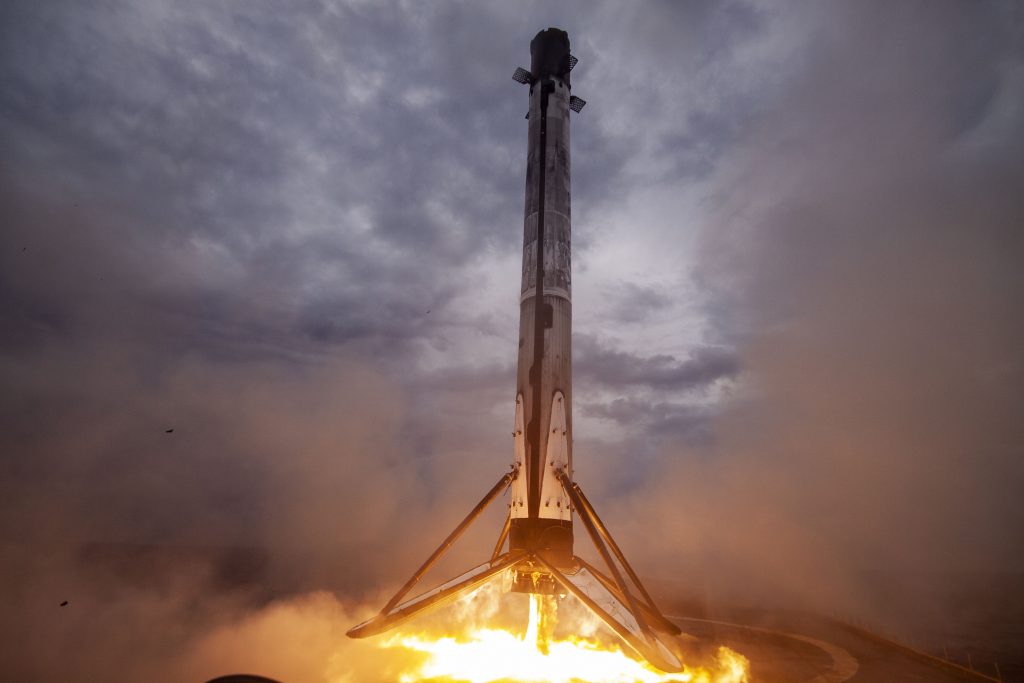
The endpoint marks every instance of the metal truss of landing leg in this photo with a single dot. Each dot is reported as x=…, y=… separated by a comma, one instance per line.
x=636, y=619
x=396, y=611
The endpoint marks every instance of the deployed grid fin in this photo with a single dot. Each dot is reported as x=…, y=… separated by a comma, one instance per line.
x=576, y=103
x=522, y=76
x=572, y=61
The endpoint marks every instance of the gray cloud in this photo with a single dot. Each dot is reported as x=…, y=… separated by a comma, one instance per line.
x=634, y=303
x=685, y=423
x=594, y=363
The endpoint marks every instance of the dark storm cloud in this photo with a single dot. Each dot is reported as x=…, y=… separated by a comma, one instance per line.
x=685, y=423
x=593, y=362
x=264, y=143
x=317, y=188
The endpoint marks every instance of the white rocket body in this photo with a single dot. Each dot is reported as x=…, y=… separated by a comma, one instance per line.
x=541, y=513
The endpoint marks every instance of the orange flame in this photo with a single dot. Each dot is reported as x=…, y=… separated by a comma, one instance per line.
x=493, y=655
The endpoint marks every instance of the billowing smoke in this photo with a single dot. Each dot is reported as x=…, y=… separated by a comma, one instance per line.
x=864, y=259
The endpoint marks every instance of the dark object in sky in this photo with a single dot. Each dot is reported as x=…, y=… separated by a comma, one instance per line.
x=538, y=529
x=169, y=431
x=242, y=678
x=64, y=604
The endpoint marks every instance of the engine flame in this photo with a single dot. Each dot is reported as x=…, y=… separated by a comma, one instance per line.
x=489, y=655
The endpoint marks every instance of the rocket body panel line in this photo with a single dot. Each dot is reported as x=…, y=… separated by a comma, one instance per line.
x=534, y=429
x=556, y=292
x=517, y=504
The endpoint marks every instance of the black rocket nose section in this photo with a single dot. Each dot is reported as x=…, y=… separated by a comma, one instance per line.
x=549, y=54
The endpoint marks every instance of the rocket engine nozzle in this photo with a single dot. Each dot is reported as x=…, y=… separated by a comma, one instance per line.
x=536, y=582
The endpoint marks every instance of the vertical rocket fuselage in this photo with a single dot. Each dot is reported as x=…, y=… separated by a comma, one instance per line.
x=541, y=515
x=538, y=529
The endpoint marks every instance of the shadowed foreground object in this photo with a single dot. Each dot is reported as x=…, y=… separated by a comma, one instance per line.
x=539, y=528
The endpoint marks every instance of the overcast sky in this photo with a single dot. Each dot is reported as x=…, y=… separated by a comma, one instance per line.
x=291, y=232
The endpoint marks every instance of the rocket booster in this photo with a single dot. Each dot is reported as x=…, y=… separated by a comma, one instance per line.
x=544, y=497
x=541, y=513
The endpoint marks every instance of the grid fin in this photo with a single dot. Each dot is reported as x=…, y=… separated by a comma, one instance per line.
x=522, y=76
x=576, y=103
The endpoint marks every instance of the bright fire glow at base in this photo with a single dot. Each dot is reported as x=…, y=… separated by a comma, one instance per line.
x=485, y=655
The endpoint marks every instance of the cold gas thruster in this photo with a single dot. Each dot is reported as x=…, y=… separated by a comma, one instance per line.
x=539, y=528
